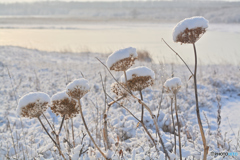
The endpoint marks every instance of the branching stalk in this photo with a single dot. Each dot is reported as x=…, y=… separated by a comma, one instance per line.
x=175, y=144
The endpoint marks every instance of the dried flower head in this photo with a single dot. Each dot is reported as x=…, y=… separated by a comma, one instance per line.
x=78, y=88
x=33, y=104
x=118, y=90
x=122, y=59
x=64, y=105
x=190, y=30
x=172, y=85
x=139, y=78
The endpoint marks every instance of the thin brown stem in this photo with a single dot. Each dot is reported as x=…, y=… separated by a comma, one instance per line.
x=175, y=141
x=89, y=134
x=179, y=129
x=178, y=56
x=47, y=131
x=125, y=75
x=114, y=101
x=197, y=107
x=48, y=122
x=61, y=124
x=140, y=92
x=73, y=133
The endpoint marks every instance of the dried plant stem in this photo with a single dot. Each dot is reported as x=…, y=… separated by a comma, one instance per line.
x=145, y=128
x=148, y=109
x=175, y=141
x=59, y=150
x=114, y=101
x=142, y=105
x=125, y=75
x=89, y=134
x=178, y=56
x=61, y=124
x=105, y=132
x=48, y=123
x=12, y=139
x=179, y=128
x=73, y=133
x=197, y=107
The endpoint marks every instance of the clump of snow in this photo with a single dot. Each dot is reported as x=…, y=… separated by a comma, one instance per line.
x=121, y=54
x=59, y=96
x=190, y=23
x=79, y=83
x=138, y=72
x=174, y=82
x=31, y=98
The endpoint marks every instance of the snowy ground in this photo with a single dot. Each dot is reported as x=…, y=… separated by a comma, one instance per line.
x=50, y=72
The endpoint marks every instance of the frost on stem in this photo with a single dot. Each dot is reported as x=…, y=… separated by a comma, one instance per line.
x=190, y=30
x=78, y=88
x=33, y=104
x=172, y=85
x=64, y=105
x=122, y=59
x=139, y=78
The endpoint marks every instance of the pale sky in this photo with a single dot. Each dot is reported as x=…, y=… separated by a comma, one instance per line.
x=12, y=1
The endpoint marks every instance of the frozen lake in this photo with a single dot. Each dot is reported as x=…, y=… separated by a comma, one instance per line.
x=219, y=45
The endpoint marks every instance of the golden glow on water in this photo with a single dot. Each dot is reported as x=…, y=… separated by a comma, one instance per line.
x=213, y=47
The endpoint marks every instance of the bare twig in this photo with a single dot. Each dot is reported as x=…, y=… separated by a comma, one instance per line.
x=178, y=56
x=179, y=129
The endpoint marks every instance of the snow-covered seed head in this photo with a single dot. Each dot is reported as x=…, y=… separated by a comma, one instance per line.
x=62, y=104
x=122, y=59
x=139, y=78
x=173, y=85
x=78, y=88
x=33, y=104
x=190, y=30
x=118, y=90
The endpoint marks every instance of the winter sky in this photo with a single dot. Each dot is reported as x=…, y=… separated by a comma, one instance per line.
x=13, y=1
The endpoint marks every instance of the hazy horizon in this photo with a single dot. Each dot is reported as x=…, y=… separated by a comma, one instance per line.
x=23, y=1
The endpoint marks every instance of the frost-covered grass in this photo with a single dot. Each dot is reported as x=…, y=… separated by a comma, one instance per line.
x=32, y=70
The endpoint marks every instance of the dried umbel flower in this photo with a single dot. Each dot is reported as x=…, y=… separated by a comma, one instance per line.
x=64, y=105
x=139, y=78
x=78, y=88
x=172, y=85
x=33, y=104
x=122, y=59
x=119, y=90
x=190, y=30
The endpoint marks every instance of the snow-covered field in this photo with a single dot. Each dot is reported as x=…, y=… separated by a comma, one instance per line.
x=24, y=70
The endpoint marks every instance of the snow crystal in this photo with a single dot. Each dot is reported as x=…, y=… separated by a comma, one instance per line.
x=138, y=72
x=59, y=96
x=121, y=54
x=81, y=83
x=173, y=83
x=190, y=23
x=31, y=98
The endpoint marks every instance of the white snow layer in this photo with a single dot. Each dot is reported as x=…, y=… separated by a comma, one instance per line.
x=121, y=54
x=59, y=96
x=78, y=83
x=190, y=23
x=31, y=98
x=138, y=71
x=173, y=82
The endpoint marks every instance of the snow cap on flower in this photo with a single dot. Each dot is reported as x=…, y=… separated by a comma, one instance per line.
x=64, y=105
x=172, y=85
x=78, y=88
x=139, y=78
x=33, y=104
x=190, y=30
x=122, y=59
